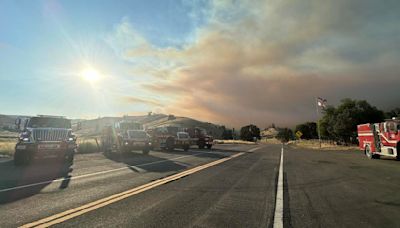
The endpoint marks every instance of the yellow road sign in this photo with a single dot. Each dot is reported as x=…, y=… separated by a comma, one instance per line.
x=299, y=134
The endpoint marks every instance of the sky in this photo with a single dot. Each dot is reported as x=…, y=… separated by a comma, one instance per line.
x=228, y=62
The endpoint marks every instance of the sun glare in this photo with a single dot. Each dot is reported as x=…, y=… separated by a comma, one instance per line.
x=91, y=75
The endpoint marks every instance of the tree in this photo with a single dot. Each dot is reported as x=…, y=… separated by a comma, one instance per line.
x=341, y=123
x=392, y=113
x=285, y=134
x=227, y=133
x=308, y=129
x=249, y=132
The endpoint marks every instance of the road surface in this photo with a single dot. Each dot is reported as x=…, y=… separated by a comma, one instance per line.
x=230, y=186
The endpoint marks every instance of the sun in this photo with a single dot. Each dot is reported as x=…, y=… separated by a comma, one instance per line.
x=90, y=75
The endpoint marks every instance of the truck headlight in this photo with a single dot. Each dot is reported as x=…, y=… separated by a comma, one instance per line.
x=126, y=143
x=70, y=139
x=25, y=139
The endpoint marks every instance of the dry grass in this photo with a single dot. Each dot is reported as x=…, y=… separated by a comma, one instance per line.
x=87, y=145
x=270, y=141
x=314, y=144
x=230, y=141
x=7, y=147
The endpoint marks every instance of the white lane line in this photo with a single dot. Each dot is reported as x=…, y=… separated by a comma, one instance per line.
x=278, y=216
x=254, y=149
x=95, y=174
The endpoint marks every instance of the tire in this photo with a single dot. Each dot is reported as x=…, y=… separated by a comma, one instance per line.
x=201, y=145
x=209, y=146
x=146, y=151
x=369, y=154
x=20, y=158
x=125, y=150
x=170, y=144
x=69, y=159
x=186, y=148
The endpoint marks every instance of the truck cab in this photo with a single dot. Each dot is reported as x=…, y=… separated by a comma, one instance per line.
x=169, y=138
x=44, y=137
x=125, y=136
x=200, y=137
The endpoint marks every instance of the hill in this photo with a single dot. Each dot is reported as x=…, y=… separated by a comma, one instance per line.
x=94, y=126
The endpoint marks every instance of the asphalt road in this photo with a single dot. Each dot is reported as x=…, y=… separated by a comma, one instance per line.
x=320, y=189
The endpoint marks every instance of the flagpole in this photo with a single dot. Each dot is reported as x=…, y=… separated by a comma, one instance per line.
x=318, y=128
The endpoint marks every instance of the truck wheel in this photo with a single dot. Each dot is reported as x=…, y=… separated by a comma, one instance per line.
x=146, y=150
x=186, y=147
x=125, y=150
x=170, y=144
x=201, y=146
x=369, y=154
x=69, y=159
x=209, y=146
x=20, y=158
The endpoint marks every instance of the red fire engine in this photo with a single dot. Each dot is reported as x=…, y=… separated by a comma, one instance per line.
x=380, y=139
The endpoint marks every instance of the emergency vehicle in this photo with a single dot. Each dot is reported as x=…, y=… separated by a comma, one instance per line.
x=378, y=139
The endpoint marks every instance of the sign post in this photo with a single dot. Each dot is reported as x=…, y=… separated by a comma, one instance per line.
x=319, y=103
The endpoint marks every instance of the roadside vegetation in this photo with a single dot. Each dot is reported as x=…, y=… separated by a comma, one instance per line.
x=337, y=126
x=233, y=141
x=325, y=145
x=7, y=147
x=88, y=145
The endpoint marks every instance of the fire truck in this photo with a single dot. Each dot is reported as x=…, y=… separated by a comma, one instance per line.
x=125, y=136
x=169, y=138
x=200, y=137
x=380, y=139
x=45, y=136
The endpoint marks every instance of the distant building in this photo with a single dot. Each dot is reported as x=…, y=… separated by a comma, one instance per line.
x=269, y=133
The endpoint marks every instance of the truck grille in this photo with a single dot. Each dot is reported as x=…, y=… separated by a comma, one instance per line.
x=50, y=134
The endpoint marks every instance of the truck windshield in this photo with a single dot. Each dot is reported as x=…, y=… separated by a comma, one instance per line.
x=130, y=125
x=137, y=134
x=37, y=122
x=183, y=135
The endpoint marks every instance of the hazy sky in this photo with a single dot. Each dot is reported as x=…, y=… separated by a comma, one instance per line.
x=229, y=62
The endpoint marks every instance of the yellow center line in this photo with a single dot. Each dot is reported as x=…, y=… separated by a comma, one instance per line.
x=72, y=213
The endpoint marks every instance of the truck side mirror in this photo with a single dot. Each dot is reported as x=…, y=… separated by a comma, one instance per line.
x=18, y=124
